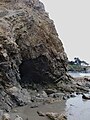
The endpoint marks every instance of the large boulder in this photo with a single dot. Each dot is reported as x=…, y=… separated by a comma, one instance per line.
x=30, y=50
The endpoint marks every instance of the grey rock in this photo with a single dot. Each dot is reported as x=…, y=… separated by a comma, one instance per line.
x=86, y=97
x=87, y=85
x=84, y=89
x=41, y=113
x=6, y=116
x=44, y=94
x=57, y=95
x=20, y=96
x=18, y=117
x=66, y=97
x=50, y=91
x=56, y=116
x=34, y=106
x=38, y=99
x=72, y=95
x=30, y=51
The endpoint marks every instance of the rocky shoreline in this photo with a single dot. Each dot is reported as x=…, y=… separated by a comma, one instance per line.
x=33, y=63
x=50, y=101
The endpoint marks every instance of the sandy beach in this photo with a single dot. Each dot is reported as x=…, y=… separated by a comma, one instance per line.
x=29, y=113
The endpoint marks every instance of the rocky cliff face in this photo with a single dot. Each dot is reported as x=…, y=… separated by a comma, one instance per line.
x=30, y=50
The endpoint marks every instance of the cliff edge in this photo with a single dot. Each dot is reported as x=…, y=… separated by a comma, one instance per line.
x=30, y=50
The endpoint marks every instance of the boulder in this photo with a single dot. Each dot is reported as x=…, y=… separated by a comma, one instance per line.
x=85, y=97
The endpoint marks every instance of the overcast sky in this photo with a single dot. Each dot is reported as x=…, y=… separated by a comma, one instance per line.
x=72, y=21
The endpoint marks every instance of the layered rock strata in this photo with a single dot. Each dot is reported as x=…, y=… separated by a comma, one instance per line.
x=30, y=50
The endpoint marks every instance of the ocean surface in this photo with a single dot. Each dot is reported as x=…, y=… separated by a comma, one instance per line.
x=79, y=74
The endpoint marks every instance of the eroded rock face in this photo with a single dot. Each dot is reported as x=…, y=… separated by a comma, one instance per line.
x=30, y=50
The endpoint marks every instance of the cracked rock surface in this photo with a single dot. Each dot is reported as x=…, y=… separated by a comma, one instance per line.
x=30, y=50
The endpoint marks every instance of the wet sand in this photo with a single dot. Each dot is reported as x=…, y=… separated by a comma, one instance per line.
x=31, y=113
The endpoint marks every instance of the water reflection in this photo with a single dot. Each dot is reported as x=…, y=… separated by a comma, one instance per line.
x=78, y=109
x=78, y=74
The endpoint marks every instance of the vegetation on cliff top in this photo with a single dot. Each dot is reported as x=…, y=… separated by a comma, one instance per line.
x=78, y=65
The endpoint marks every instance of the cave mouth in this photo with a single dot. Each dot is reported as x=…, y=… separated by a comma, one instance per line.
x=35, y=71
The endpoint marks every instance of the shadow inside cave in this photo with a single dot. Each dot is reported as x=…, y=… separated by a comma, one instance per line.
x=35, y=71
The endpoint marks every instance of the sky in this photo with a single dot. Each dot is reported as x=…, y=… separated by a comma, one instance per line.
x=72, y=21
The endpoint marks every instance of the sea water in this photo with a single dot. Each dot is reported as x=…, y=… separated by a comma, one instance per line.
x=78, y=108
x=79, y=74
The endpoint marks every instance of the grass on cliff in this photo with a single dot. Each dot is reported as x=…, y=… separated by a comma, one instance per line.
x=76, y=68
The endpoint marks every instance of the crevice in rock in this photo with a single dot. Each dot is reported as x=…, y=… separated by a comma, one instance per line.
x=35, y=71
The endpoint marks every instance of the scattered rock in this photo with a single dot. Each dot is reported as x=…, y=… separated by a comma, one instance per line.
x=57, y=95
x=20, y=96
x=41, y=113
x=44, y=94
x=52, y=116
x=78, y=93
x=56, y=116
x=72, y=95
x=6, y=116
x=82, y=89
x=65, y=98
x=87, y=79
x=18, y=117
x=38, y=95
x=79, y=83
x=50, y=91
x=87, y=85
x=39, y=99
x=15, y=111
x=49, y=100
x=62, y=117
x=34, y=106
x=86, y=97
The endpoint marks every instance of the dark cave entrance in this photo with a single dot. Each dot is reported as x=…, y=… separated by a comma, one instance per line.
x=34, y=71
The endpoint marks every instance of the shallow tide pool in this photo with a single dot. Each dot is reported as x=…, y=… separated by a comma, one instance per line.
x=78, y=109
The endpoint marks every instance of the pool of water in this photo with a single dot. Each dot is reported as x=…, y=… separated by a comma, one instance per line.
x=77, y=108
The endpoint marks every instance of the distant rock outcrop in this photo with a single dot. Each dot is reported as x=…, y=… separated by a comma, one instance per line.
x=78, y=65
x=30, y=50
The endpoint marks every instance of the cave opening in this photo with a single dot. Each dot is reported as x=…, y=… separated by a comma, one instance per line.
x=34, y=71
